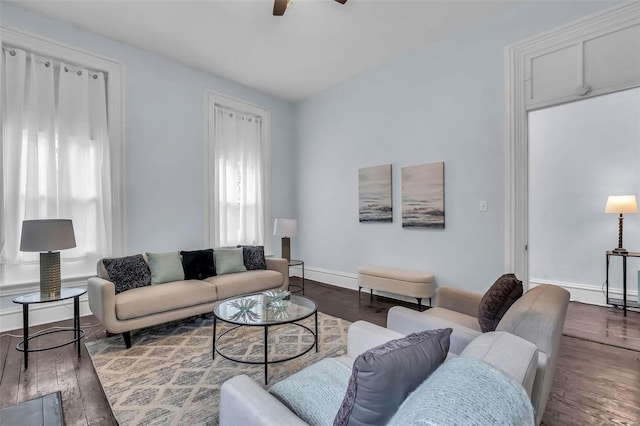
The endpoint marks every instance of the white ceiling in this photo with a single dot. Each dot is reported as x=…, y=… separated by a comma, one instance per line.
x=316, y=44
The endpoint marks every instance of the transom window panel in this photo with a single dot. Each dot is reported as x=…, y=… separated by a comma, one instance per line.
x=239, y=175
x=55, y=159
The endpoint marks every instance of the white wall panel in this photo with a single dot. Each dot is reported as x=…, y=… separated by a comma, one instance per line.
x=614, y=59
x=602, y=62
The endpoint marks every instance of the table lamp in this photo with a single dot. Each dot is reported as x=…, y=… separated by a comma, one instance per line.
x=286, y=228
x=47, y=236
x=621, y=204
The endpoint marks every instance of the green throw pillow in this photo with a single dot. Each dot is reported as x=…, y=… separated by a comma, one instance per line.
x=229, y=261
x=165, y=267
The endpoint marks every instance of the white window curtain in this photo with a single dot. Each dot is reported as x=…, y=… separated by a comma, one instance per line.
x=238, y=178
x=55, y=153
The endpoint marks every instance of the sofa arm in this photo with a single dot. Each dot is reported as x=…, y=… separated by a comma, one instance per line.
x=102, y=302
x=363, y=336
x=281, y=265
x=244, y=402
x=407, y=321
x=455, y=299
x=508, y=352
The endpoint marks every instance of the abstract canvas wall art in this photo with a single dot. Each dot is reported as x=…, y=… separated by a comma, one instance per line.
x=375, y=194
x=423, y=196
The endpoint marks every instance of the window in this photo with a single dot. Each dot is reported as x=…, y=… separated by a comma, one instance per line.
x=61, y=154
x=238, y=170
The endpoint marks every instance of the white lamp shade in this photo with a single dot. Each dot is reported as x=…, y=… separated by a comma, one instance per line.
x=285, y=228
x=47, y=235
x=621, y=204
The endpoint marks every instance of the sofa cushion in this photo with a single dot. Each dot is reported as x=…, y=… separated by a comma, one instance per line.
x=128, y=272
x=165, y=267
x=382, y=377
x=253, y=257
x=198, y=264
x=497, y=300
x=230, y=285
x=150, y=300
x=229, y=260
x=466, y=391
x=314, y=393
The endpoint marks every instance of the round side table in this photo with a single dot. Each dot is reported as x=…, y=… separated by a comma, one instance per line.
x=300, y=288
x=35, y=298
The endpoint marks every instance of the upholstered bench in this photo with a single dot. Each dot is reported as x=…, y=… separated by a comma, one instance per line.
x=398, y=281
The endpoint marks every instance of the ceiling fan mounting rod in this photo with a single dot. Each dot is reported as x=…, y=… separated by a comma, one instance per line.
x=280, y=6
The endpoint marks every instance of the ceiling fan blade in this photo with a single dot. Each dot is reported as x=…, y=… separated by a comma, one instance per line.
x=279, y=7
x=341, y=1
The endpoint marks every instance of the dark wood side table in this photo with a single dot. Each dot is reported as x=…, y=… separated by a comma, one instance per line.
x=295, y=262
x=624, y=302
x=34, y=298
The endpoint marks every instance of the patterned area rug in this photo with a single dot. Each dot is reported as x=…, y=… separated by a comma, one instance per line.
x=169, y=378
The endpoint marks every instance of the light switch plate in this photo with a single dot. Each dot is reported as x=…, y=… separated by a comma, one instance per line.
x=484, y=205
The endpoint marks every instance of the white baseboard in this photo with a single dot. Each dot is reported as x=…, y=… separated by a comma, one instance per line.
x=593, y=295
x=579, y=292
x=350, y=281
x=11, y=318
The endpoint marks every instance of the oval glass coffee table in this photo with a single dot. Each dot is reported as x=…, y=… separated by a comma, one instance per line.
x=260, y=310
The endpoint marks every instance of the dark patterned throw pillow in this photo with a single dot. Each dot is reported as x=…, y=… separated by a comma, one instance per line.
x=253, y=257
x=128, y=272
x=198, y=264
x=497, y=300
x=382, y=377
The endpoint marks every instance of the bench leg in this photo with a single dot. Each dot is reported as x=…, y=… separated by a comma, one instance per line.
x=371, y=296
x=430, y=303
x=419, y=304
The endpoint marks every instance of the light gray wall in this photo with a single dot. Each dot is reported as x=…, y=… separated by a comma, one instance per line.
x=579, y=154
x=164, y=136
x=443, y=102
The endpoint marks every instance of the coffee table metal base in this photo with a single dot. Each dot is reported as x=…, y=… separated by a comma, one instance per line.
x=266, y=361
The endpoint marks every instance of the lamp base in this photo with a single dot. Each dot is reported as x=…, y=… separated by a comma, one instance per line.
x=286, y=248
x=50, y=272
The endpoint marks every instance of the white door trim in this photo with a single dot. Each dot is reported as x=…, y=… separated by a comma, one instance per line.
x=517, y=58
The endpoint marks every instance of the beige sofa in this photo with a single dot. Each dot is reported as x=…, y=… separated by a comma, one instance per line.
x=156, y=304
x=538, y=317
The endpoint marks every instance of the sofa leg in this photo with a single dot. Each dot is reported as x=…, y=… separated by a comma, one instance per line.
x=419, y=304
x=127, y=339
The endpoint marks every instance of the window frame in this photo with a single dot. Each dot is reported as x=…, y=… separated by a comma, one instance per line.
x=115, y=75
x=211, y=99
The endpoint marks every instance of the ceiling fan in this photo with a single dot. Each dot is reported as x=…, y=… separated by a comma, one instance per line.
x=280, y=6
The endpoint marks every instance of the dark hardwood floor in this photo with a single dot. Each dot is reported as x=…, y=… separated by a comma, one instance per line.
x=595, y=384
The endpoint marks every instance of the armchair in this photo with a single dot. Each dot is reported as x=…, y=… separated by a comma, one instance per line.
x=538, y=317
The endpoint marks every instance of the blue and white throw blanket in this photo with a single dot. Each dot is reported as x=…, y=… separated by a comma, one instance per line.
x=466, y=391
x=462, y=391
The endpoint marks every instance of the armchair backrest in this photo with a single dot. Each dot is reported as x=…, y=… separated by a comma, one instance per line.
x=538, y=316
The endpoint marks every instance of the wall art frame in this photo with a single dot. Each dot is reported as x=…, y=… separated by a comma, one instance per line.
x=375, y=197
x=423, y=196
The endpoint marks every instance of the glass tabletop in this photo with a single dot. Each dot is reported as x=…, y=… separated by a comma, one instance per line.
x=261, y=309
x=37, y=297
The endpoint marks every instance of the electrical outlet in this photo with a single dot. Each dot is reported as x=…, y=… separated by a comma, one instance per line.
x=484, y=205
